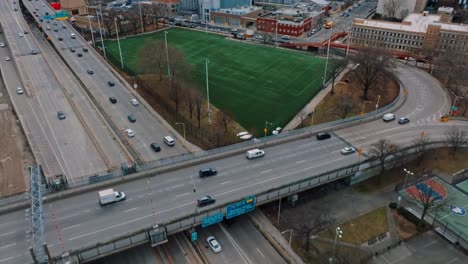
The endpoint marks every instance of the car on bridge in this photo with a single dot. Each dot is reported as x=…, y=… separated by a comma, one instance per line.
x=206, y=172
x=323, y=136
x=19, y=90
x=61, y=115
x=205, y=200
x=348, y=150
x=130, y=133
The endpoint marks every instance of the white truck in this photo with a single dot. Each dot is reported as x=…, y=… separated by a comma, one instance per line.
x=110, y=196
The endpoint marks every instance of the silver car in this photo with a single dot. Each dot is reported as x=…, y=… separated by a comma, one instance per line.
x=348, y=150
x=213, y=243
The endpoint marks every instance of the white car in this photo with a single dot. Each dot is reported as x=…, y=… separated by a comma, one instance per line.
x=19, y=90
x=214, y=245
x=2, y=45
x=20, y=34
x=348, y=150
x=7, y=58
x=130, y=133
x=134, y=102
x=388, y=117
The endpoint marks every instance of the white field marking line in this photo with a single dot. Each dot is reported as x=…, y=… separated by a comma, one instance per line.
x=260, y=253
x=174, y=187
x=297, y=162
x=429, y=244
x=277, y=177
x=265, y=171
x=7, y=246
x=128, y=222
x=129, y=210
x=226, y=182
x=68, y=216
x=70, y=227
x=180, y=195
x=6, y=234
x=453, y=260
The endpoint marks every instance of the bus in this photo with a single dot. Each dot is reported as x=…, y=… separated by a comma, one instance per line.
x=329, y=25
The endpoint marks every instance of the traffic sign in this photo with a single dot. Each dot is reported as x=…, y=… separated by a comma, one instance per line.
x=212, y=219
x=241, y=207
x=48, y=17
x=454, y=108
x=194, y=236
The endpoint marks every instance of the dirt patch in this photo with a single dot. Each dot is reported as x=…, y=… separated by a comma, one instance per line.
x=405, y=229
x=15, y=155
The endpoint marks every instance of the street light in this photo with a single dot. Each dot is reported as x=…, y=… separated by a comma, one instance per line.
x=100, y=29
x=338, y=234
x=167, y=55
x=313, y=115
x=141, y=18
x=349, y=39
x=90, y=28
x=193, y=182
x=290, y=235
x=183, y=126
x=362, y=108
x=118, y=42
x=377, y=104
x=328, y=55
x=208, y=91
x=407, y=172
x=276, y=34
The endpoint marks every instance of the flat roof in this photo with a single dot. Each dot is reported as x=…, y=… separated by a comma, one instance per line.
x=242, y=10
x=414, y=23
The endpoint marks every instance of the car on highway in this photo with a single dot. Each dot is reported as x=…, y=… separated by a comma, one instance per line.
x=59, y=38
x=111, y=83
x=131, y=118
x=207, y=172
x=7, y=58
x=90, y=71
x=155, y=147
x=403, y=120
x=85, y=49
x=61, y=115
x=72, y=49
x=55, y=29
x=130, y=133
x=113, y=100
x=2, y=45
x=205, y=200
x=20, y=34
x=48, y=28
x=254, y=153
x=19, y=90
x=348, y=150
x=213, y=243
x=134, y=102
x=79, y=54
x=388, y=117
x=33, y=52
x=322, y=136
x=169, y=141
x=64, y=27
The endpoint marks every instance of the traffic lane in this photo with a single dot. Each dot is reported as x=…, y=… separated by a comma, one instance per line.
x=175, y=249
x=229, y=253
x=252, y=242
x=13, y=245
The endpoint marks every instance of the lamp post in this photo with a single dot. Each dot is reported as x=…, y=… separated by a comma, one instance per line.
x=141, y=18
x=266, y=128
x=90, y=28
x=290, y=235
x=349, y=39
x=183, y=126
x=362, y=108
x=338, y=234
x=276, y=30
x=167, y=55
x=328, y=55
x=100, y=30
x=208, y=91
x=193, y=182
x=313, y=115
x=118, y=42
x=407, y=172
x=377, y=104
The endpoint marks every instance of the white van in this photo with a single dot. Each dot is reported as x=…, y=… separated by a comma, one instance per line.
x=388, y=117
x=169, y=141
x=254, y=153
x=73, y=35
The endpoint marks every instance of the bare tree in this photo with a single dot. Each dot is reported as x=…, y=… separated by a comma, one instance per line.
x=381, y=150
x=198, y=108
x=155, y=12
x=457, y=137
x=151, y=58
x=308, y=225
x=133, y=17
x=374, y=64
x=223, y=119
x=421, y=144
x=429, y=199
x=178, y=67
x=404, y=13
x=189, y=97
x=345, y=106
x=108, y=22
x=391, y=7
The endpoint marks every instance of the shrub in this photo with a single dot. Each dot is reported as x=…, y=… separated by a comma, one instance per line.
x=393, y=205
x=408, y=216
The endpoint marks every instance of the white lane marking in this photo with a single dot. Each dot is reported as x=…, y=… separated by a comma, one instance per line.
x=180, y=195
x=297, y=162
x=260, y=253
x=68, y=216
x=70, y=227
x=3, y=260
x=174, y=187
x=134, y=208
x=171, y=180
x=6, y=234
x=453, y=260
x=128, y=222
x=7, y=246
x=226, y=182
x=265, y=171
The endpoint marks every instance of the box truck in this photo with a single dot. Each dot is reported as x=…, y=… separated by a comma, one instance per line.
x=110, y=196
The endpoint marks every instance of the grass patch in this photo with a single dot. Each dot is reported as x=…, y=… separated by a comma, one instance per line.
x=361, y=229
x=254, y=83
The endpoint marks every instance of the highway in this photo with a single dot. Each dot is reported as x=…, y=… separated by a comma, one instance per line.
x=148, y=128
x=82, y=222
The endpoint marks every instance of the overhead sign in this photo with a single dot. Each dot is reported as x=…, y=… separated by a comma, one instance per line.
x=48, y=17
x=194, y=236
x=212, y=219
x=61, y=15
x=241, y=207
x=454, y=108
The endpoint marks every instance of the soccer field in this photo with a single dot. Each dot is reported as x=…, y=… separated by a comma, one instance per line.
x=254, y=83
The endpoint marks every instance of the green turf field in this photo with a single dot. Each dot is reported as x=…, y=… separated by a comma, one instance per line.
x=255, y=83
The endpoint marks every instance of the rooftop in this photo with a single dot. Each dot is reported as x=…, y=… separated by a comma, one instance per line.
x=413, y=23
x=242, y=10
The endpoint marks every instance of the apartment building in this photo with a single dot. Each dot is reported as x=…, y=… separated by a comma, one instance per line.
x=417, y=32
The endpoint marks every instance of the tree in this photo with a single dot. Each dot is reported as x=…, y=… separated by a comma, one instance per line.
x=429, y=199
x=345, y=106
x=152, y=58
x=223, y=119
x=457, y=137
x=374, y=65
x=198, y=108
x=155, y=12
x=381, y=150
x=178, y=67
x=391, y=7
x=109, y=23
x=133, y=18
x=421, y=145
x=189, y=97
x=308, y=225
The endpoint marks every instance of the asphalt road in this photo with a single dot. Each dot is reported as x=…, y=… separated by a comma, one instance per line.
x=148, y=128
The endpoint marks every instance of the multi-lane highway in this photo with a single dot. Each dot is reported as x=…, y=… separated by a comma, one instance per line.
x=82, y=222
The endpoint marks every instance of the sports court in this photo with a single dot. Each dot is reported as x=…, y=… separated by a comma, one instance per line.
x=463, y=185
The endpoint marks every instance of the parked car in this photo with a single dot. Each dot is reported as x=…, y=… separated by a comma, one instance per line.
x=403, y=120
x=322, y=136
x=348, y=150
x=205, y=200
x=213, y=243
x=85, y=49
x=79, y=54
x=72, y=49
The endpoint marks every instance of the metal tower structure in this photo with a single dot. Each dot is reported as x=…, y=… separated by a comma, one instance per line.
x=37, y=217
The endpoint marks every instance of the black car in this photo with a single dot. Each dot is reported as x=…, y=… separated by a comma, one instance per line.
x=111, y=83
x=131, y=118
x=60, y=38
x=90, y=71
x=155, y=147
x=322, y=136
x=61, y=115
x=206, y=172
x=85, y=49
x=72, y=49
x=79, y=54
x=112, y=100
x=205, y=200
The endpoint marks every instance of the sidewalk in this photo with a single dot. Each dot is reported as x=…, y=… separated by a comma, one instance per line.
x=310, y=107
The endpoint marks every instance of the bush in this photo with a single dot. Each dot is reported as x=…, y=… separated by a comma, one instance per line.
x=408, y=216
x=393, y=205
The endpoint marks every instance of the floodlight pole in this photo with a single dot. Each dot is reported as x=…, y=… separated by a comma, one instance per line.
x=208, y=91
x=100, y=29
x=90, y=28
x=328, y=55
x=141, y=18
x=118, y=42
x=407, y=172
x=167, y=55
